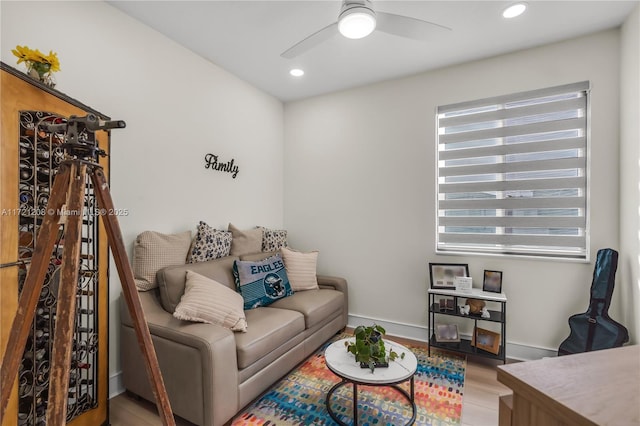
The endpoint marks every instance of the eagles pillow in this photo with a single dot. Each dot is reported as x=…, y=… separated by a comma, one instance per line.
x=263, y=282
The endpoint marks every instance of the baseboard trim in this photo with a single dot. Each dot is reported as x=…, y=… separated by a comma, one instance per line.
x=521, y=352
x=115, y=385
x=515, y=351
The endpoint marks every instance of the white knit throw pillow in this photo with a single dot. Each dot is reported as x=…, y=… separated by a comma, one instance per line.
x=206, y=300
x=153, y=251
x=301, y=269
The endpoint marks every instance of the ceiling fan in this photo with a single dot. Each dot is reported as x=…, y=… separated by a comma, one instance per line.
x=358, y=19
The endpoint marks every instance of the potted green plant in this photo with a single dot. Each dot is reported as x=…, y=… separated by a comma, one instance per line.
x=369, y=348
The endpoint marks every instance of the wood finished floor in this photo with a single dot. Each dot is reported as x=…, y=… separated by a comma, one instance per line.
x=479, y=404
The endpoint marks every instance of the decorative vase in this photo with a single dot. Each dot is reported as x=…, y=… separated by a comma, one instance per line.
x=41, y=72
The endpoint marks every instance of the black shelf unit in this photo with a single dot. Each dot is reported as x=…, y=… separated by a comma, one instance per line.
x=464, y=346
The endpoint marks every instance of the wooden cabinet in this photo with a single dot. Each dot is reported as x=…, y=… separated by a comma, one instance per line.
x=29, y=155
x=586, y=389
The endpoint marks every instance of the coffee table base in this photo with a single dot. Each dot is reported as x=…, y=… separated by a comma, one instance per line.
x=408, y=396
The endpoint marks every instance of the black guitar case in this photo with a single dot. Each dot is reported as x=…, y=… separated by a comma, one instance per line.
x=594, y=329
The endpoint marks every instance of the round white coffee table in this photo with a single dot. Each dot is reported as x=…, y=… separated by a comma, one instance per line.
x=343, y=364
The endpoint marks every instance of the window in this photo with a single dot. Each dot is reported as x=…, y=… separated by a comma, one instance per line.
x=512, y=174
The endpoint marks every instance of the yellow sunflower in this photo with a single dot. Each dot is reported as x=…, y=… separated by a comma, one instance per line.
x=52, y=58
x=35, y=59
x=22, y=52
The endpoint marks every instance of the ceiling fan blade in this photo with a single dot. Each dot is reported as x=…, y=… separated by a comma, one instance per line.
x=312, y=41
x=405, y=26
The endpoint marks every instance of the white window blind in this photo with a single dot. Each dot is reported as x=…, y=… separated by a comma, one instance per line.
x=512, y=174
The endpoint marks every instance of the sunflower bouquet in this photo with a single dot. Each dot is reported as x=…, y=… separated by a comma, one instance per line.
x=38, y=64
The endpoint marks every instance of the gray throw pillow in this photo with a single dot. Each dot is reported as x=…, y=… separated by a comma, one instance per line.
x=245, y=242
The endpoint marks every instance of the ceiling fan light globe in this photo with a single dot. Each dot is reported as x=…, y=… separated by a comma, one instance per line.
x=514, y=10
x=357, y=23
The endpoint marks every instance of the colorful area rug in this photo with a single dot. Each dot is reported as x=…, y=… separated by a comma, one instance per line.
x=299, y=398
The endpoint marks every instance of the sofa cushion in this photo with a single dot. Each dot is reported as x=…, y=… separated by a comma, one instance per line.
x=273, y=239
x=209, y=244
x=206, y=300
x=315, y=305
x=301, y=268
x=245, y=242
x=261, y=282
x=153, y=251
x=171, y=280
x=267, y=330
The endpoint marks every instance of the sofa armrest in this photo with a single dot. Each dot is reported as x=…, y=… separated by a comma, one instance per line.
x=335, y=283
x=217, y=365
x=163, y=324
x=339, y=284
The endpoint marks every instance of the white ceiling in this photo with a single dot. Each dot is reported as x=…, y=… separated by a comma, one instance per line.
x=247, y=37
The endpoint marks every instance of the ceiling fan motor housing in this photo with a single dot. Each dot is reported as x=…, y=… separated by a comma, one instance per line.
x=357, y=18
x=351, y=4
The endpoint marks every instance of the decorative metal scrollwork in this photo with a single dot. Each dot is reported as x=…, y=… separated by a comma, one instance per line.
x=40, y=154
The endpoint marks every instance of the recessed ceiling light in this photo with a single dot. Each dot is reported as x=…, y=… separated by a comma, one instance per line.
x=514, y=10
x=296, y=72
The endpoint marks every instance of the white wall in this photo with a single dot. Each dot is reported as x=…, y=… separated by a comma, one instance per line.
x=629, y=267
x=177, y=106
x=360, y=182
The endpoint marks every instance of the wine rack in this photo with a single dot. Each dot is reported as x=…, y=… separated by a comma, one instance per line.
x=40, y=154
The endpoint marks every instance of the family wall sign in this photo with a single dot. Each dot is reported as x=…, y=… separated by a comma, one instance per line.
x=212, y=162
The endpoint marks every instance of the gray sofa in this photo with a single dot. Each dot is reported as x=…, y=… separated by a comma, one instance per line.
x=211, y=372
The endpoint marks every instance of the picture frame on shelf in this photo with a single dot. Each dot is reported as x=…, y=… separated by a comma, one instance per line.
x=446, y=304
x=447, y=333
x=442, y=275
x=486, y=340
x=492, y=281
x=463, y=284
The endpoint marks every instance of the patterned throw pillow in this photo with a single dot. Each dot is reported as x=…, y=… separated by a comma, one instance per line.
x=209, y=244
x=153, y=251
x=261, y=283
x=273, y=239
x=206, y=300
